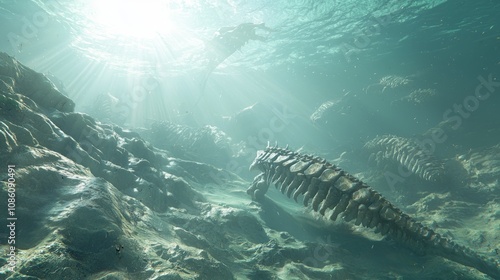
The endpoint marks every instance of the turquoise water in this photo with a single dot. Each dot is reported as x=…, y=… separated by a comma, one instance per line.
x=401, y=94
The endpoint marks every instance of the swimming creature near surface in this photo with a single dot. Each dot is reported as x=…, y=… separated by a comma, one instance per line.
x=328, y=187
x=226, y=41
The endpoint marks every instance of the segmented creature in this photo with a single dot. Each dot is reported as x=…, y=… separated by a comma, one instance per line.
x=330, y=188
x=391, y=82
x=408, y=153
x=320, y=112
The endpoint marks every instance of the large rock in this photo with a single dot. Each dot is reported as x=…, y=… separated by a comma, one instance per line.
x=31, y=84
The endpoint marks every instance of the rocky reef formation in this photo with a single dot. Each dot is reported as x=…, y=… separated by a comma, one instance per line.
x=329, y=187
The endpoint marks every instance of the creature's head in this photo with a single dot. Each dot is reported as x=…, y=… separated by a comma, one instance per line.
x=257, y=161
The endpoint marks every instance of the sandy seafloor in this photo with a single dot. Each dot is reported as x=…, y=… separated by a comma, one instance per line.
x=97, y=201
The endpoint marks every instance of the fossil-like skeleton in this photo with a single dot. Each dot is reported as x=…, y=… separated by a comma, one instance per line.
x=331, y=189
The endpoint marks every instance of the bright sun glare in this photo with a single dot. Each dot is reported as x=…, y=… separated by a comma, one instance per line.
x=132, y=18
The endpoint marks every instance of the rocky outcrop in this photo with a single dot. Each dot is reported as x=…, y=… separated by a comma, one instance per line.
x=83, y=189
